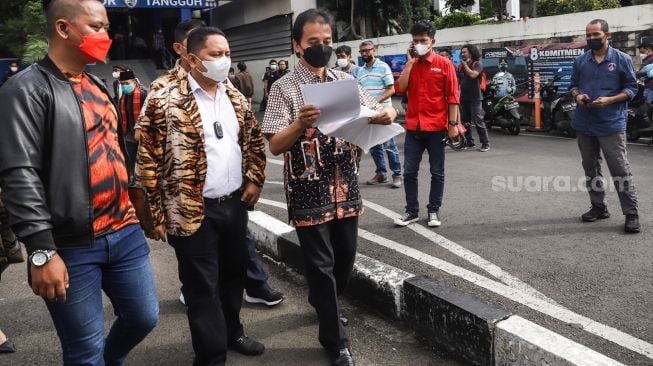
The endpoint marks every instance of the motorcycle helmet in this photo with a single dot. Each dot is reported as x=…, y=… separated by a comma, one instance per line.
x=457, y=144
x=648, y=71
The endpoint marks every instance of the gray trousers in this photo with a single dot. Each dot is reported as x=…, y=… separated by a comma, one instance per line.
x=614, y=151
x=472, y=114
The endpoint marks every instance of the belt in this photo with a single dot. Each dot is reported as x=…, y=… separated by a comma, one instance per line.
x=222, y=199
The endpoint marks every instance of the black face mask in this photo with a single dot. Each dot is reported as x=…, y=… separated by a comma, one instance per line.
x=318, y=55
x=502, y=68
x=595, y=43
x=366, y=58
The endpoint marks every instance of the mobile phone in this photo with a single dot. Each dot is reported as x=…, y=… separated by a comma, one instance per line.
x=413, y=52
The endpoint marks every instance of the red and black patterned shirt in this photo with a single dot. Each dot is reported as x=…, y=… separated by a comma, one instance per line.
x=112, y=209
x=321, y=177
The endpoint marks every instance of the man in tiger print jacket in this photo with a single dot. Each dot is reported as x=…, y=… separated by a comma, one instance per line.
x=202, y=161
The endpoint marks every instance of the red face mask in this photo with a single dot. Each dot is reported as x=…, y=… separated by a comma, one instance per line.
x=94, y=46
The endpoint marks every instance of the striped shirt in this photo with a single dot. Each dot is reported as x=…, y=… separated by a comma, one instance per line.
x=376, y=79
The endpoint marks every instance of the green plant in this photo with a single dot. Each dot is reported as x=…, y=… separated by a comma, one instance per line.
x=487, y=9
x=377, y=18
x=25, y=26
x=456, y=19
x=560, y=7
x=35, y=49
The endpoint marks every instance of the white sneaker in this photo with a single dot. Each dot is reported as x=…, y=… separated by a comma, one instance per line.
x=434, y=220
x=181, y=298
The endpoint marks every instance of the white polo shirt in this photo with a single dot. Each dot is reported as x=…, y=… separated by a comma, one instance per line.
x=224, y=157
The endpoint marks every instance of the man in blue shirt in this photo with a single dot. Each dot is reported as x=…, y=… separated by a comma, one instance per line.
x=602, y=82
x=344, y=61
x=376, y=77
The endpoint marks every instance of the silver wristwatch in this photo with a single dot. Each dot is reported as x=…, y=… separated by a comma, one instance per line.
x=40, y=257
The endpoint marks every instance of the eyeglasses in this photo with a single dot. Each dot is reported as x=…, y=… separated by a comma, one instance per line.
x=366, y=50
x=217, y=128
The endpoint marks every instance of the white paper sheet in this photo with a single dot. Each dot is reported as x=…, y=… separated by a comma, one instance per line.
x=342, y=116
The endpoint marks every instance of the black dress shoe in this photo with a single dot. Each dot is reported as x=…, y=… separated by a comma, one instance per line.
x=343, y=320
x=594, y=214
x=7, y=347
x=342, y=358
x=247, y=346
x=632, y=224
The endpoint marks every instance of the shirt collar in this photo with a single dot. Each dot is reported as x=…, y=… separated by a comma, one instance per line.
x=429, y=58
x=609, y=56
x=306, y=76
x=376, y=61
x=195, y=86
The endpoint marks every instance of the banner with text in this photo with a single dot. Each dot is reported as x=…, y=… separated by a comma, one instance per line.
x=158, y=4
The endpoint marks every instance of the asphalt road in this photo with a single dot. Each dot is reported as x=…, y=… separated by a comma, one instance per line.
x=534, y=234
x=288, y=330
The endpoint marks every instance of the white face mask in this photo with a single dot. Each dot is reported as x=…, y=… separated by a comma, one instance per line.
x=13, y=69
x=116, y=74
x=422, y=49
x=342, y=62
x=273, y=67
x=217, y=70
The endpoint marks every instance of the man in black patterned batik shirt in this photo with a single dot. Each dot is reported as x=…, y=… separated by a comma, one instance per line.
x=320, y=176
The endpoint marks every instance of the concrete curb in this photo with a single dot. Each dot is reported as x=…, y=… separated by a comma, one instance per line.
x=456, y=322
x=459, y=323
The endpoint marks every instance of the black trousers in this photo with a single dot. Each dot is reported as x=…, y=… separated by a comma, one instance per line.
x=212, y=270
x=329, y=253
x=132, y=150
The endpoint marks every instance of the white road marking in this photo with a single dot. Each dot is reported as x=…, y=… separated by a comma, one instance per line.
x=272, y=203
x=553, y=310
x=458, y=250
x=464, y=253
x=515, y=294
x=534, y=340
x=275, y=161
x=273, y=182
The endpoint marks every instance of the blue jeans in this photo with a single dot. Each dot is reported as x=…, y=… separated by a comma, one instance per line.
x=257, y=279
x=119, y=264
x=648, y=94
x=393, y=157
x=416, y=143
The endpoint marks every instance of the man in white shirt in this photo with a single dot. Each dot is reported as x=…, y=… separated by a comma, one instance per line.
x=202, y=161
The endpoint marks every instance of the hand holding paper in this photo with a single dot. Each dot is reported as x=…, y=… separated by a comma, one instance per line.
x=342, y=116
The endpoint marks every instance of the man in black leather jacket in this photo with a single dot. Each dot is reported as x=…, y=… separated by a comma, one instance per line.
x=64, y=184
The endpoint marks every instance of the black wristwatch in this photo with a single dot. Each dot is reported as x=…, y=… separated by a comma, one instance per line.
x=39, y=257
x=453, y=123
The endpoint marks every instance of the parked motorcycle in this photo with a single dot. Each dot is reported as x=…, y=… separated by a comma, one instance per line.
x=502, y=112
x=557, y=109
x=639, y=115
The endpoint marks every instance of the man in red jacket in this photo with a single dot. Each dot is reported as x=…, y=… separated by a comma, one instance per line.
x=431, y=84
